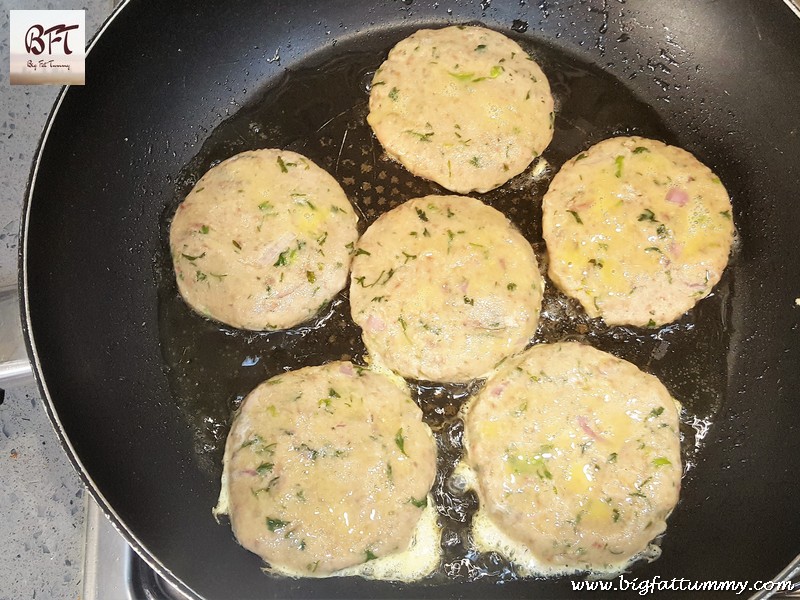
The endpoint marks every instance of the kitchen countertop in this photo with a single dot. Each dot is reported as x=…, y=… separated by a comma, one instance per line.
x=42, y=499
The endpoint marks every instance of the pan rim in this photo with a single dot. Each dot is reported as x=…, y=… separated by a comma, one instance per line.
x=794, y=6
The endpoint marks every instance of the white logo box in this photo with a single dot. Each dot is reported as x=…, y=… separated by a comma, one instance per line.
x=47, y=47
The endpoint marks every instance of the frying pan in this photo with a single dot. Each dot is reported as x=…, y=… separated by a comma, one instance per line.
x=721, y=79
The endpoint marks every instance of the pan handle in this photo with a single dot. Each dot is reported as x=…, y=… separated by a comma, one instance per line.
x=15, y=367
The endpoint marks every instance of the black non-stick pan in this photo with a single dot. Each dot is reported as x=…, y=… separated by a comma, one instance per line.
x=141, y=390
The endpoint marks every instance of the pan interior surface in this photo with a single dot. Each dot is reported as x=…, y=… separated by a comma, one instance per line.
x=211, y=367
x=144, y=402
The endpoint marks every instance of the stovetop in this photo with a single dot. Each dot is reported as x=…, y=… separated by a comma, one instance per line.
x=112, y=570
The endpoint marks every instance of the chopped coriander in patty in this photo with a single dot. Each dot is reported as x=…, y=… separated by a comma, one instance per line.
x=444, y=288
x=261, y=242
x=636, y=230
x=327, y=468
x=576, y=459
x=463, y=106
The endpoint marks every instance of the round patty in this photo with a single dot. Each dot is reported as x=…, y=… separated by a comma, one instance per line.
x=263, y=241
x=577, y=455
x=325, y=468
x=636, y=230
x=463, y=106
x=444, y=287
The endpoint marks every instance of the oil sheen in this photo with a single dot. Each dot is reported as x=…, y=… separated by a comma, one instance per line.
x=211, y=367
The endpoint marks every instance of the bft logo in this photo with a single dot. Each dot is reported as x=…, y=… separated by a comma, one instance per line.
x=36, y=36
x=47, y=46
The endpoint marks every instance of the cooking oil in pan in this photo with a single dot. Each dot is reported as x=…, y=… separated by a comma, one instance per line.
x=211, y=367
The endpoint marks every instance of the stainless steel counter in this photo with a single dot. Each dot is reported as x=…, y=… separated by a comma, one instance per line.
x=42, y=499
